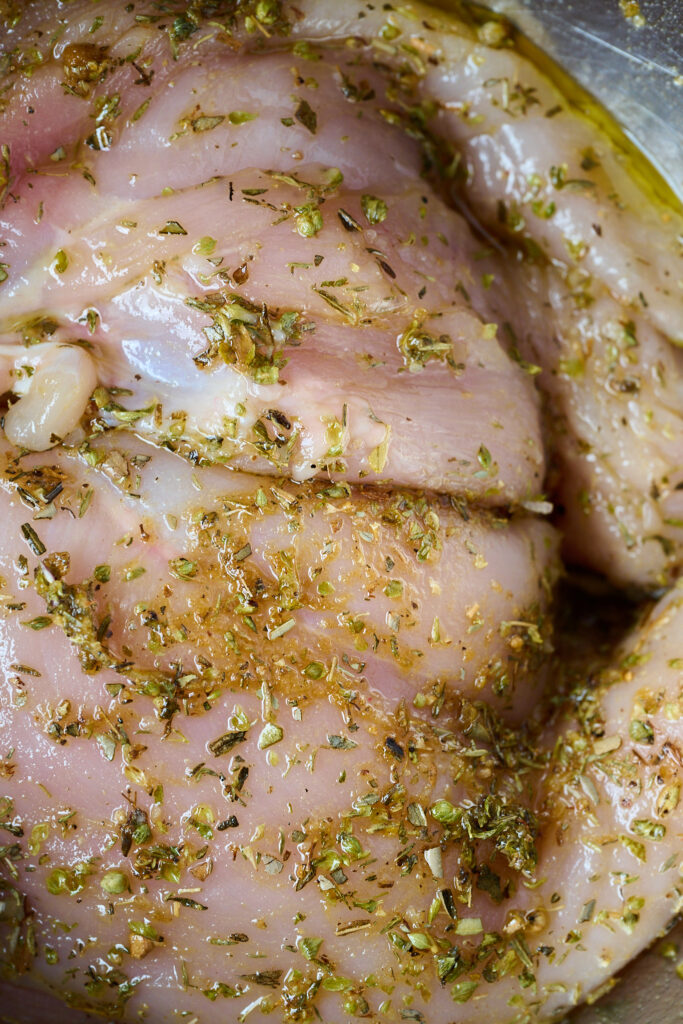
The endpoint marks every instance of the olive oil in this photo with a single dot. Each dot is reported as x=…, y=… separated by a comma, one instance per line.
x=640, y=168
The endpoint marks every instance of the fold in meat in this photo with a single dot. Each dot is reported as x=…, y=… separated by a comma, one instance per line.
x=233, y=577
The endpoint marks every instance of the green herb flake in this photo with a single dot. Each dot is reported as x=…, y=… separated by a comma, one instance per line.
x=219, y=990
x=114, y=883
x=304, y=50
x=107, y=745
x=469, y=926
x=634, y=847
x=92, y=317
x=39, y=832
x=341, y=743
x=308, y=220
x=280, y=630
x=185, y=901
x=240, y=117
x=463, y=991
x=641, y=732
x=337, y=984
x=418, y=347
x=378, y=456
x=484, y=457
x=182, y=568
x=32, y=539
x=445, y=813
x=648, y=829
x=84, y=503
x=375, y=209
x=270, y=734
x=40, y=622
x=60, y=262
x=68, y=881
x=350, y=846
x=416, y=815
x=206, y=123
x=306, y=116
x=226, y=742
x=172, y=227
x=141, y=110
x=145, y=929
x=309, y=947
x=251, y=337
x=668, y=798
x=205, y=246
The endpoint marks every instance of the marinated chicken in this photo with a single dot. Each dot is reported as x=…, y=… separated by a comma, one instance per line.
x=325, y=328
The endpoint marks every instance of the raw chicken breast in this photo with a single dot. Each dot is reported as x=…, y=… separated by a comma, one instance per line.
x=616, y=393
x=402, y=592
x=311, y=320
x=292, y=300
x=316, y=841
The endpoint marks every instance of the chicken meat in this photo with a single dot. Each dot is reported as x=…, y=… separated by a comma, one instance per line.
x=326, y=330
